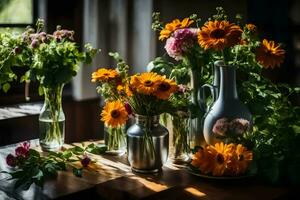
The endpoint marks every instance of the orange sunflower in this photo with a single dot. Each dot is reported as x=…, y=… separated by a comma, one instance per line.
x=114, y=114
x=270, y=54
x=104, y=74
x=165, y=89
x=146, y=83
x=219, y=34
x=203, y=161
x=220, y=153
x=244, y=158
x=173, y=26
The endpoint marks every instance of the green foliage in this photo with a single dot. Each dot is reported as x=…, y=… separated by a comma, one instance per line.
x=36, y=168
x=52, y=59
x=276, y=131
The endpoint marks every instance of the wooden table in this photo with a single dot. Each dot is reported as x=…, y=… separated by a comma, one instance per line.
x=113, y=179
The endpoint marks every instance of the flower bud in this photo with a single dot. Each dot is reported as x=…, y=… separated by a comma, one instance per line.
x=11, y=160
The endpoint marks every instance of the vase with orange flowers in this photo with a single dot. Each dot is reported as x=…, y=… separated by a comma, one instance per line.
x=182, y=45
x=148, y=140
x=234, y=48
x=114, y=114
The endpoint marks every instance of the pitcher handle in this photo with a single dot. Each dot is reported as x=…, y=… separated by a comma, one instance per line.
x=202, y=95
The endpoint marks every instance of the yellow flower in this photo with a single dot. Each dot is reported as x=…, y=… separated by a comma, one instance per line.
x=219, y=34
x=220, y=154
x=165, y=89
x=173, y=26
x=269, y=54
x=104, y=75
x=251, y=27
x=124, y=90
x=145, y=83
x=114, y=114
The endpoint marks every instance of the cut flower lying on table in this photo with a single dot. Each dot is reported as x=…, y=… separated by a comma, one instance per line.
x=28, y=166
x=223, y=159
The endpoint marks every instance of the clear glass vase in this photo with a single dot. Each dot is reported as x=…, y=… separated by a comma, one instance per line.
x=196, y=121
x=115, y=140
x=180, y=140
x=52, y=120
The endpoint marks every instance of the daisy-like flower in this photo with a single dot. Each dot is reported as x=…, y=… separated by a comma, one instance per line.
x=173, y=26
x=114, y=114
x=203, y=161
x=243, y=159
x=251, y=27
x=146, y=83
x=220, y=153
x=219, y=34
x=165, y=88
x=124, y=90
x=103, y=74
x=270, y=54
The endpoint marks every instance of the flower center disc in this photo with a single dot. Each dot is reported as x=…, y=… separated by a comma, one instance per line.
x=114, y=113
x=220, y=159
x=106, y=74
x=217, y=33
x=164, y=87
x=148, y=83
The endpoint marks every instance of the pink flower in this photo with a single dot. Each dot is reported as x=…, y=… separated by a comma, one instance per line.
x=63, y=34
x=11, y=160
x=22, y=150
x=182, y=88
x=181, y=42
x=221, y=126
x=173, y=48
x=85, y=161
x=239, y=125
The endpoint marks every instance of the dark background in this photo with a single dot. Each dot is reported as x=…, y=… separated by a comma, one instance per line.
x=277, y=20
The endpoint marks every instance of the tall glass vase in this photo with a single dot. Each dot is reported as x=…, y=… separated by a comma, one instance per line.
x=180, y=140
x=52, y=120
x=115, y=140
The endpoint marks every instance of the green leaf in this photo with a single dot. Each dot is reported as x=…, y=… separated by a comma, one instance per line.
x=6, y=87
x=77, y=172
x=98, y=150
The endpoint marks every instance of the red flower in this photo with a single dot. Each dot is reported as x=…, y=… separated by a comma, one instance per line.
x=85, y=161
x=11, y=160
x=23, y=150
x=128, y=108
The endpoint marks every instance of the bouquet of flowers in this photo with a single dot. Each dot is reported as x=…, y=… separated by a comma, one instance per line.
x=140, y=94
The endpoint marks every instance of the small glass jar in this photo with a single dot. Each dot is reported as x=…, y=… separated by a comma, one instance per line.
x=115, y=140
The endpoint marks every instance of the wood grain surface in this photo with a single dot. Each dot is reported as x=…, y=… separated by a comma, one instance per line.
x=111, y=178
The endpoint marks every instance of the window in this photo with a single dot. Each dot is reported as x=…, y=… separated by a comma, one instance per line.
x=15, y=16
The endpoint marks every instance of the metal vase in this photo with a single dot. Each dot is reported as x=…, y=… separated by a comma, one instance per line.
x=228, y=116
x=145, y=158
